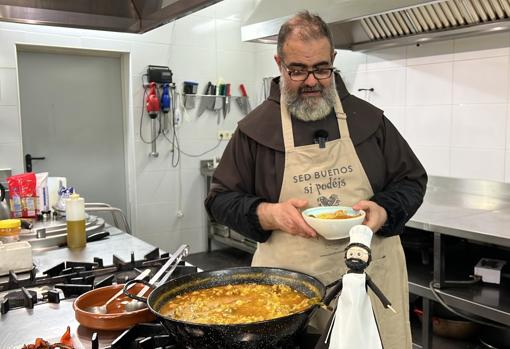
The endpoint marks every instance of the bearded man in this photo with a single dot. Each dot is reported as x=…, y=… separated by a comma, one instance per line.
x=312, y=143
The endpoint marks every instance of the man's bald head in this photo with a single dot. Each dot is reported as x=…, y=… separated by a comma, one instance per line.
x=303, y=26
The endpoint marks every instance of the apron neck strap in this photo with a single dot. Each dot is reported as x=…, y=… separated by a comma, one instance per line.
x=288, y=135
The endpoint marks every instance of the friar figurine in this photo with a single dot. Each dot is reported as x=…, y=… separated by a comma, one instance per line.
x=353, y=324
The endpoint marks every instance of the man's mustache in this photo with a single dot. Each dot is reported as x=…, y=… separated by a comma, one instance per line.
x=311, y=89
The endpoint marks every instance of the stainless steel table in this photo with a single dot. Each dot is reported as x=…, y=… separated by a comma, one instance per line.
x=478, y=211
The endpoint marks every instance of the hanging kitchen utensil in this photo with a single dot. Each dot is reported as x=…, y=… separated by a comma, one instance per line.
x=242, y=101
x=204, y=100
x=218, y=103
x=189, y=90
x=226, y=101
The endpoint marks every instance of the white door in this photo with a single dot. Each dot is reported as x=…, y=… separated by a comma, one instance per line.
x=71, y=114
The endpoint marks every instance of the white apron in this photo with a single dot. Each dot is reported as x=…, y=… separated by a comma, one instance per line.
x=334, y=176
x=354, y=315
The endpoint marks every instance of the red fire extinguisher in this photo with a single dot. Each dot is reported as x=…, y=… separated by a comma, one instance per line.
x=152, y=101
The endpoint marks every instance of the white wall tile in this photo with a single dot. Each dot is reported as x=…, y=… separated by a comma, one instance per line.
x=436, y=160
x=350, y=61
x=195, y=31
x=264, y=61
x=478, y=164
x=8, y=40
x=234, y=66
x=194, y=63
x=228, y=36
x=170, y=240
x=507, y=167
x=508, y=128
x=234, y=9
x=209, y=12
x=479, y=125
x=390, y=58
x=138, y=92
x=8, y=86
x=212, y=148
x=11, y=157
x=481, y=80
x=105, y=44
x=430, y=52
x=397, y=117
x=482, y=46
x=46, y=39
x=389, y=87
x=10, y=128
x=428, y=125
x=429, y=84
x=156, y=187
x=161, y=35
x=144, y=54
x=355, y=81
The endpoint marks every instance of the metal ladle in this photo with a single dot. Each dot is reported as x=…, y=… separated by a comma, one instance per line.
x=103, y=309
x=181, y=252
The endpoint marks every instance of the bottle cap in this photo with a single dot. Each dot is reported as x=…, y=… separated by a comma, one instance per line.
x=10, y=223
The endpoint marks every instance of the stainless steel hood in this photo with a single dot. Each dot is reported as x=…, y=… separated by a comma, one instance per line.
x=132, y=16
x=362, y=25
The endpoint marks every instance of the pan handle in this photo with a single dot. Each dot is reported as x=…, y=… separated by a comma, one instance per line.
x=127, y=286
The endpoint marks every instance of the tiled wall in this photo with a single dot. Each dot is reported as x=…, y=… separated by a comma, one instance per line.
x=449, y=99
x=202, y=47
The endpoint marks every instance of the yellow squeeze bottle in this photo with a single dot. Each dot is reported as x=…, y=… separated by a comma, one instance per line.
x=75, y=219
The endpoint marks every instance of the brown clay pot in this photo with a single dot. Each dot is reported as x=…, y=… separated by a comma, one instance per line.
x=112, y=321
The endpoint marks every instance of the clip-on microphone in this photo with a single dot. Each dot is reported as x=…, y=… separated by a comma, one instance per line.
x=320, y=137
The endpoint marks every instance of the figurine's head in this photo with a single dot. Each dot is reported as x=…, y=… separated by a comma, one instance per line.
x=357, y=257
x=357, y=253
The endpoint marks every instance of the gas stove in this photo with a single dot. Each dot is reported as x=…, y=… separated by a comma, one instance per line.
x=39, y=303
x=69, y=279
x=154, y=335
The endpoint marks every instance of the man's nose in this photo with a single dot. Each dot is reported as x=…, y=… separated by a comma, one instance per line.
x=311, y=80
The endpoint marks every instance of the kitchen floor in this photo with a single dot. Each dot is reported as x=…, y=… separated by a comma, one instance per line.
x=232, y=257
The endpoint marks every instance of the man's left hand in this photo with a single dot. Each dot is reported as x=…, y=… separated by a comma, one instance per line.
x=375, y=216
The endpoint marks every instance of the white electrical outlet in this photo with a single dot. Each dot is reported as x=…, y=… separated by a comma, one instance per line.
x=224, y=135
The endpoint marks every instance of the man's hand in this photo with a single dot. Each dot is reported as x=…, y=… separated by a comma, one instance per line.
x=376, y=215
x=285, y=216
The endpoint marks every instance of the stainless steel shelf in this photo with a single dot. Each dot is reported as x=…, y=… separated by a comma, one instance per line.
x=488, y=301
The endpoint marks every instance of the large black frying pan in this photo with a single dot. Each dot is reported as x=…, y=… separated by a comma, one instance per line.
x=257, y=335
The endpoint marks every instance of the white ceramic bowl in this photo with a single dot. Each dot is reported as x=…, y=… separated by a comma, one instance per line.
x=333, y=229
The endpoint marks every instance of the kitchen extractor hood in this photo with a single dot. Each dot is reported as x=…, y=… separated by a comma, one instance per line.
x=362, y=25
x=132, y=16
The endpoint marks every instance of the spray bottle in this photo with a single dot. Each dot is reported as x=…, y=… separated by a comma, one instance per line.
x=75, y=219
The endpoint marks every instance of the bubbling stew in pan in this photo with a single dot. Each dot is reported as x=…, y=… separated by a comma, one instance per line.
x=236, y=304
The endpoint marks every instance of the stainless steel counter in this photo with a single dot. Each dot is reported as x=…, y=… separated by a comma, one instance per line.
x=473, y=209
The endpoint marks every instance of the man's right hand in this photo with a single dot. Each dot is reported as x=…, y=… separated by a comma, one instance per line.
x=285, y=216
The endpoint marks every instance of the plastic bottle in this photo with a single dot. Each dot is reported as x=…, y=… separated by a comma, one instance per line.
x=9, y=230
x=75, y=219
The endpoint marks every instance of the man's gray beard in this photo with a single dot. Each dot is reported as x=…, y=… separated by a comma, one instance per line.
x=309, y=108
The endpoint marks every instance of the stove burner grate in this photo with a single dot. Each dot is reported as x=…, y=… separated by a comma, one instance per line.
x=71, y=279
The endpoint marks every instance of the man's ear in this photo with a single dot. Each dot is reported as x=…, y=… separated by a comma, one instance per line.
x=333, y=58
x=277, y=59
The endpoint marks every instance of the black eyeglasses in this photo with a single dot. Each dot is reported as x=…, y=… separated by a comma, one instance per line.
x=302, y=75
